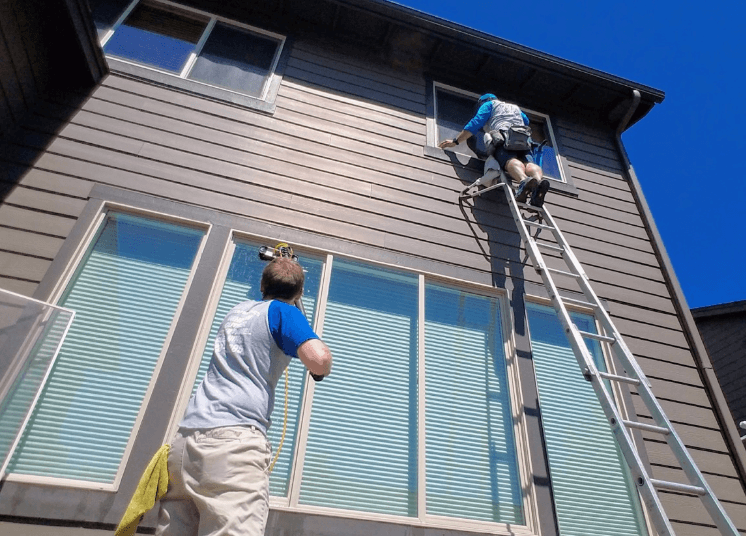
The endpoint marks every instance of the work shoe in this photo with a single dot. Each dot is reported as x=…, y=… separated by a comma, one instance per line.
x=537, y=197
x=524, y=188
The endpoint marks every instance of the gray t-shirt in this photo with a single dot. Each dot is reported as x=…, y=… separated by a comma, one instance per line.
x=247, y=362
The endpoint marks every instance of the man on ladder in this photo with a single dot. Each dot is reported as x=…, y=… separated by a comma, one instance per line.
x=507, y=138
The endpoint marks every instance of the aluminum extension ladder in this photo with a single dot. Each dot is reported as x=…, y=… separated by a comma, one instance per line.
x=646, y=485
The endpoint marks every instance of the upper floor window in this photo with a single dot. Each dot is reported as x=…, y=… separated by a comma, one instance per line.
x=453, y=108
x=209, y=54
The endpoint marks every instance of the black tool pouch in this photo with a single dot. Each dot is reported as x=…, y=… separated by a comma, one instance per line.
x=518, y=138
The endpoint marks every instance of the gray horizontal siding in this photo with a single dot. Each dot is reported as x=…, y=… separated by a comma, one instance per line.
x=342, y=157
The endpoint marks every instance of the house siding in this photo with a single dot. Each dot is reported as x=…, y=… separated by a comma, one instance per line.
x=342, y=157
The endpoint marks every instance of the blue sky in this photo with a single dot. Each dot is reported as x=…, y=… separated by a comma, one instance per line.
x=686, y=150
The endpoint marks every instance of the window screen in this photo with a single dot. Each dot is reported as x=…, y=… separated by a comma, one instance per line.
x=125, y=294
x=591, y=486
x=235, y=59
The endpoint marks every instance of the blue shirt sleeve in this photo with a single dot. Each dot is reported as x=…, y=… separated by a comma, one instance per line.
x=525, y=119
x=289, y=327
x=480, y=119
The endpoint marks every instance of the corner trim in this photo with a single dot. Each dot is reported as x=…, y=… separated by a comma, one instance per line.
x=701, y=358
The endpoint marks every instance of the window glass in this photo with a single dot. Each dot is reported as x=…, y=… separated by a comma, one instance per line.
x=454, y=111
x=158, y=36
x=235, y=59
x=472, y=470
x=545, y=155
x=106, y=12
x=590, y=482
x=242, y=283
x=125, y=294
x=361, y=452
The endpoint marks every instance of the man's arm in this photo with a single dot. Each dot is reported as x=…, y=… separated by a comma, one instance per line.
x=316, y=356
x=472, y=127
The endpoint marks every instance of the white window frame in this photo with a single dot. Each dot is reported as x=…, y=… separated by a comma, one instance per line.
x=290, y=503
x=432, y=123
x=91, y=235
x=213, y=20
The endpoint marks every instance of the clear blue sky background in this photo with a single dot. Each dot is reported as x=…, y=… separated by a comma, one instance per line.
x=686, y=151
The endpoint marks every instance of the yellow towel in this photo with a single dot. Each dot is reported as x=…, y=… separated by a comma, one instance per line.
x=153, y=485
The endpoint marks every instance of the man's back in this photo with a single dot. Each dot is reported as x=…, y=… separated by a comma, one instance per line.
x=239, y=386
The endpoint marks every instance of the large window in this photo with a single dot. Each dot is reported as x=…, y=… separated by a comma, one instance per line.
x=453, y=108
x=194, y=49
x=416, y=420
x=593, y=493
x=125, y=294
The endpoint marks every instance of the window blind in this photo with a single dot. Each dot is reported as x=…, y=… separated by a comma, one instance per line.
x=592, y=490
x=472, y=469
x=125, y=294
x=242, y=283
x=361, y=452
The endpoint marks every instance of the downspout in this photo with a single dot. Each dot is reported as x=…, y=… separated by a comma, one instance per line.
x=701, y=358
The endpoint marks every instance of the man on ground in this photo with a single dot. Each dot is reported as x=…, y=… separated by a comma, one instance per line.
x=219, y=460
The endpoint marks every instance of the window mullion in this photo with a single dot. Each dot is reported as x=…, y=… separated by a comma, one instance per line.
x=421, y=460
x=118, y=22
x=296, y=475
x=198, y=49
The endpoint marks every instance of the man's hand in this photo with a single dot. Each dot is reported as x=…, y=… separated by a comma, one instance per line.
x=446, y=144
x=316, y=356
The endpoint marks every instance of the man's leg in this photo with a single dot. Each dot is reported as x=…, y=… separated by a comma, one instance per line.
x=229, y=480
x=177, y=516
x=517, y=170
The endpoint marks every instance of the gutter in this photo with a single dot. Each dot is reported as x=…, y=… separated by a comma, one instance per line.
x=701, y=358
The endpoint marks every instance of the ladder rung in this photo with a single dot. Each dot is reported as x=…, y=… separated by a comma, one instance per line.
x=580, y=303
x=538, y=225
x=568, y=274
x=526, y=206
x=622, y=379
x=675, y=486
x=550, y=246
x=597, y=337
x=647, y=427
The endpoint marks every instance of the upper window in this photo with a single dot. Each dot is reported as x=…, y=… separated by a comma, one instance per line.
x=453, y=108
x=193, y=49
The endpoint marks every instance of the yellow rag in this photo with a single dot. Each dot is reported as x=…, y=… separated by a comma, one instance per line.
x=153, y=485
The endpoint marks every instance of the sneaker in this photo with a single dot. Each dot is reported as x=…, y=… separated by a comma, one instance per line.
x=537, y=197
x=524, y=188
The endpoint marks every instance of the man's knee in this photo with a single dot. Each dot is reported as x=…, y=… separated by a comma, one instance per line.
x=533, y=169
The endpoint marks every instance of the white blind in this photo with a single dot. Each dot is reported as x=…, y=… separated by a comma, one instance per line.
x=592, y=490
x=242, y=283
x=472, y=470
x=125, y=294
x=362, y=441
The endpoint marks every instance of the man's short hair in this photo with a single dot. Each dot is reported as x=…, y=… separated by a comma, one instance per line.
x=282, y=278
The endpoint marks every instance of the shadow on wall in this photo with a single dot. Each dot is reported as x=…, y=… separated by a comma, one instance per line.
x=502, y=249
x=24, y=143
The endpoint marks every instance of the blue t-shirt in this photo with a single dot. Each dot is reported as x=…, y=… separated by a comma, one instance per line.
x=252, y=348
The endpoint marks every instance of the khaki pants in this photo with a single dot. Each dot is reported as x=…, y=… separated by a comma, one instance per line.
x=218, y=483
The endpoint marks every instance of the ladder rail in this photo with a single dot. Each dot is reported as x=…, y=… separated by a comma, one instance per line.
x=645, y=484
x=629, y=363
